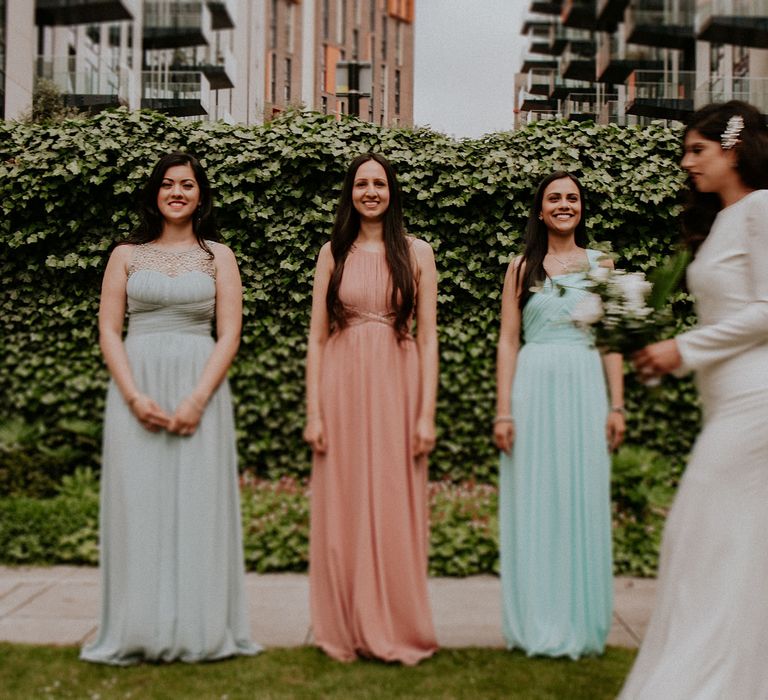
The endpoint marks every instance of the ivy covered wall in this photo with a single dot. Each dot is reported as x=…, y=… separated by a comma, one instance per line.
x=68, y=191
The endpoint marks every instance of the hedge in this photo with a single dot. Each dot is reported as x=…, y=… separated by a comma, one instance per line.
x=68, y=191
x=275, y=519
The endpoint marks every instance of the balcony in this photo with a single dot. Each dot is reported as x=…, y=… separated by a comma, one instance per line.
x=581, y=41
x=539, y=81
x=221, y=15
x=746, y=89
x=579, y=14
x=531, y=104
x=560, y=88
x=615, y=61
x=532, y=63
x=609, y=13
x=176, y=93
x=544, y=7
x=88, y=89
x=661, y=94
x=657, y=23
x=173, y=26
x=575, y=66
x=741, y=22
x=584, y=106
x=66, y=12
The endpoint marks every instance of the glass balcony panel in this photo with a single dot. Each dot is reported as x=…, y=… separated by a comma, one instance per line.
x=739, y=22
x=746, y=89
x=661, y=94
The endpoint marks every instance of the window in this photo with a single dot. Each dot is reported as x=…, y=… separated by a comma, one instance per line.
x=384, y=24
x=372, y=18
x=397, y=91
x=287, y=80
x=272, y=78
x=355, y=44
x=342, y=22
x=273, y=26
x=325, y=18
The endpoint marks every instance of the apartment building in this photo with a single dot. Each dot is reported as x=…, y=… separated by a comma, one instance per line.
x=632, y=61
x=235, y=60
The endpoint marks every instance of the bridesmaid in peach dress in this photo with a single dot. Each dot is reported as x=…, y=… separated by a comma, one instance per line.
x=371, y=390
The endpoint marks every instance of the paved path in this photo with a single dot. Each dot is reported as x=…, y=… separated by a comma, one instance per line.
x=60, y=605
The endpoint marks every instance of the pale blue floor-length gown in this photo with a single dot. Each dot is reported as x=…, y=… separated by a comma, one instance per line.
x=554, y=504
x=171, y=549
x=708, y=635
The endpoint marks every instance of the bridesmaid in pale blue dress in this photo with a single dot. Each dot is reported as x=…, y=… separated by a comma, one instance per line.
x=171, y=552
x=555, y=427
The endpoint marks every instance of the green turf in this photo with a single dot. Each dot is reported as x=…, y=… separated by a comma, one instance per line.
x=30, y=672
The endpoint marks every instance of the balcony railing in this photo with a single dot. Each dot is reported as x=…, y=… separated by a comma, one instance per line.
x=174, y=25
x=747, y=89
x=655, y=23
x=67, y=12
x=178, y=93
x=539, y=80
x=70, y=81
x=661, y=94
x=577, y=67
x=741, y=22
x=616, y=60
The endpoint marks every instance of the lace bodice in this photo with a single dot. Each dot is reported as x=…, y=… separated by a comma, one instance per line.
x=148, y=256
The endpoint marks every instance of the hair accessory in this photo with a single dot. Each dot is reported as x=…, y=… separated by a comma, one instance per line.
x=730, y=137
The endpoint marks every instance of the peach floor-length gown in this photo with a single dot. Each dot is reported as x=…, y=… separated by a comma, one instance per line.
x=369, y=518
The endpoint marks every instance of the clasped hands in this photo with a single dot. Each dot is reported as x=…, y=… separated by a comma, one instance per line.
x=423, y=439
x=657, y=359
x=184, y=420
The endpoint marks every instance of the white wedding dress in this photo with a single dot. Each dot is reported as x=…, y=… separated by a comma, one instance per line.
x=708, y=636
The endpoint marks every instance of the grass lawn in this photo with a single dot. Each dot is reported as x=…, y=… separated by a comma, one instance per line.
x=31, y=672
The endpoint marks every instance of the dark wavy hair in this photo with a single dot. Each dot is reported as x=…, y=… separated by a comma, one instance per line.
x=151, y=225
x=701, y=208
x=346, y=227
x=537, y=238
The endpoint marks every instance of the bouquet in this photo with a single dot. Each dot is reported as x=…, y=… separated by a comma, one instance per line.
x=624, y=310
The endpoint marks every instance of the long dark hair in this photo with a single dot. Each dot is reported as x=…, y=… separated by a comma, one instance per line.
x=151, y=225
x=346, y=227
x=751, y=162
x=537, y=238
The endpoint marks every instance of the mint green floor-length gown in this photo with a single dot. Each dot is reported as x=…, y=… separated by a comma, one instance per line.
x=171, y=550
x=554, y=505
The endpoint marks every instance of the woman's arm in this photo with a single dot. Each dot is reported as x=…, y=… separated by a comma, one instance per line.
x=613, y=366
x=314, y=432
x=111, y=320
x=506, y=358
x=426, y=342
x=615, y=426
x=733, y=334
x=229, y=319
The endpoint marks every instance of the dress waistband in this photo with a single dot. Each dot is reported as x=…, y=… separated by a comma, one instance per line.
x=358, y=316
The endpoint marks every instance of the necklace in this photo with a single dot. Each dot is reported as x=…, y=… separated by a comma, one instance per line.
x=564, y=264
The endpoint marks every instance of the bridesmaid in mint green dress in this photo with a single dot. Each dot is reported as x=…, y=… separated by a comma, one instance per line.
x=556, y=422
x=171, y=552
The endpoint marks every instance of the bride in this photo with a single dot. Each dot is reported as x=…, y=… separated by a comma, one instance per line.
x=709, y=630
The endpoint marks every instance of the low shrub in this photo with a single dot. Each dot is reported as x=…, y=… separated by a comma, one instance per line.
x=463, y=521
x=643, y=486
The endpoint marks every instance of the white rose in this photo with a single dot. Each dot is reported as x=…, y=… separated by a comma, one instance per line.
x=634, y=287
x=589, y=310
x=600, y=273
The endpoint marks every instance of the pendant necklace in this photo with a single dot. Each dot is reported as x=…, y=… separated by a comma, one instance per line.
x=564, y=265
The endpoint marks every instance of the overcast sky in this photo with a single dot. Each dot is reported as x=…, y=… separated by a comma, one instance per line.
x=467, y=52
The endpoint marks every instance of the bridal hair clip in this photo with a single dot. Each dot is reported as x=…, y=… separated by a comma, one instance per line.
x=730, y=137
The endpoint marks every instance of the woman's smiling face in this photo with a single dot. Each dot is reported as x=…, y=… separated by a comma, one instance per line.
x=561, y=207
